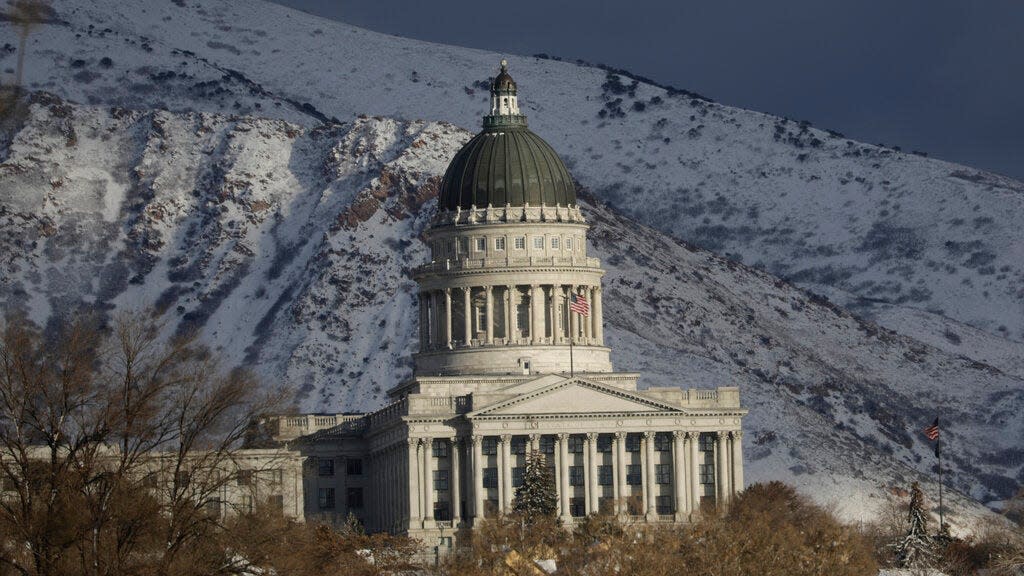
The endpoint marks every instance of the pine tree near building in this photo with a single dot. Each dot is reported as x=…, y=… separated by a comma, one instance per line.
x=537, y=497
x=916, y=549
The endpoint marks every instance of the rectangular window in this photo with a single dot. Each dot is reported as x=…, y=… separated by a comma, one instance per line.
x=707, y=473
x=604, y=475
x=518, y=445
x=441, y=511
x=633, y=474
x=182, y=478
x=276, y=502
x=538, y=242
x=604, y=443
x=576, y=444
x=632, y=443
x=244, y=478
x=499, y=243
x=517, y=476
x=325, y=467
x=568, y=244
x=547, y=444
x=212, y=508
x=606, y=504
x=520, y=243
x=246, y=506
x=440, y=448
x=489, y=447
x=707, y=442
x=554, y=243
x=663, y=504
x=325, y=497
x=490, y=477
x=575, y=475
x=441, y=480
x=481, y=244
x=663, y=442
x=354, y=467
x=464, y=246
x=274, y=475
x=355, y=498
x=577, y=507
x=663, y=474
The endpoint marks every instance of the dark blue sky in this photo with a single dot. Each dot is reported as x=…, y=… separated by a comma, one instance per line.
x=943, y=77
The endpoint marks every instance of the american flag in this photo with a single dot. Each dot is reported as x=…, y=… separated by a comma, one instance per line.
x=932, y=432
x=578, y=304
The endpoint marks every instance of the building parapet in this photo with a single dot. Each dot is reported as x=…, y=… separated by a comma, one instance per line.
x=290, y=427
x=462, y=264
x=508, y=213
x=697, y=398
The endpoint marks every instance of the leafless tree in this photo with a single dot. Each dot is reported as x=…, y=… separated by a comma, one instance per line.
x=114, y=444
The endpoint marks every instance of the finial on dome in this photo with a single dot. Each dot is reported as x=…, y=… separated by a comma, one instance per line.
x=504, y=65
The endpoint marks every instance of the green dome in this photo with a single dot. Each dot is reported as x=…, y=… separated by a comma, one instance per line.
x=506, y=164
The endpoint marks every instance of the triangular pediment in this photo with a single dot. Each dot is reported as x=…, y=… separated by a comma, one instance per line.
x=575, y=396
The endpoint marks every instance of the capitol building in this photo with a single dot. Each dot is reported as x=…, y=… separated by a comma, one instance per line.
x=512, y=360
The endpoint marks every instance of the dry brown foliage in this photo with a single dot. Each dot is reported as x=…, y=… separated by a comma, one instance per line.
x=113, y=446
x=768, y=530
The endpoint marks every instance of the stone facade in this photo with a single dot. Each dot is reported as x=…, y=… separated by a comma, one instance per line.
x=505, y=367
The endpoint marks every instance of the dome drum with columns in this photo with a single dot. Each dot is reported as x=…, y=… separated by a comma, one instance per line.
x=505, y=368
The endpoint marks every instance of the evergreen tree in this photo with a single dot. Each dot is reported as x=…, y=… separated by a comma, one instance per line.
x=537, y=497
x=916, y=549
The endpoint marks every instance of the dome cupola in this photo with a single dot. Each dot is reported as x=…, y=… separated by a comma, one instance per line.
x=506, y=164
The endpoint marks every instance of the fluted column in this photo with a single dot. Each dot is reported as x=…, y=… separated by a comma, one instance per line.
x=598, y=315
x=591, y=479
x=563, y=476
x=448, y=316
x=587, y=321
x=505, y=476
x=478, y=479
x=553, y=311
x=435, y=325
x=721, y=472
x=650, y=481
x=573, y=317
x=467, y=306
x=534, y=443
x=620, y=472
x=538, y=307
x=510, y=315
x=679, y=474
x=490, y=314
x=456, y=480
x=693, y=439
x=415, y=514
x=737, y=461
x=428, y=488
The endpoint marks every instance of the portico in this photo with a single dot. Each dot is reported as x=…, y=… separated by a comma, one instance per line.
x=512, y=359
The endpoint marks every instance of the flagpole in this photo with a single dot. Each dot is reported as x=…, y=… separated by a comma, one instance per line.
x=938, y=454
x=572, y=370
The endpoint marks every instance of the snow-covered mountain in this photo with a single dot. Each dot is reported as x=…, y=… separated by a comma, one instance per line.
x=188, y=162
x=871, y=227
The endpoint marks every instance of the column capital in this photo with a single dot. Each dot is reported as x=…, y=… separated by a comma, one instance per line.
x=737, y=434
x=562, y=436
x=648, y=434
x=423, y=441
x=692, y=435
x=447, y=291
x=534, y=437
x=505, y=438
x=475, y=439
x=591, y=436
x=619, y=436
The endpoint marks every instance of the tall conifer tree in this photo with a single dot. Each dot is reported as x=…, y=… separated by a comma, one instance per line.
x=537, y=497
